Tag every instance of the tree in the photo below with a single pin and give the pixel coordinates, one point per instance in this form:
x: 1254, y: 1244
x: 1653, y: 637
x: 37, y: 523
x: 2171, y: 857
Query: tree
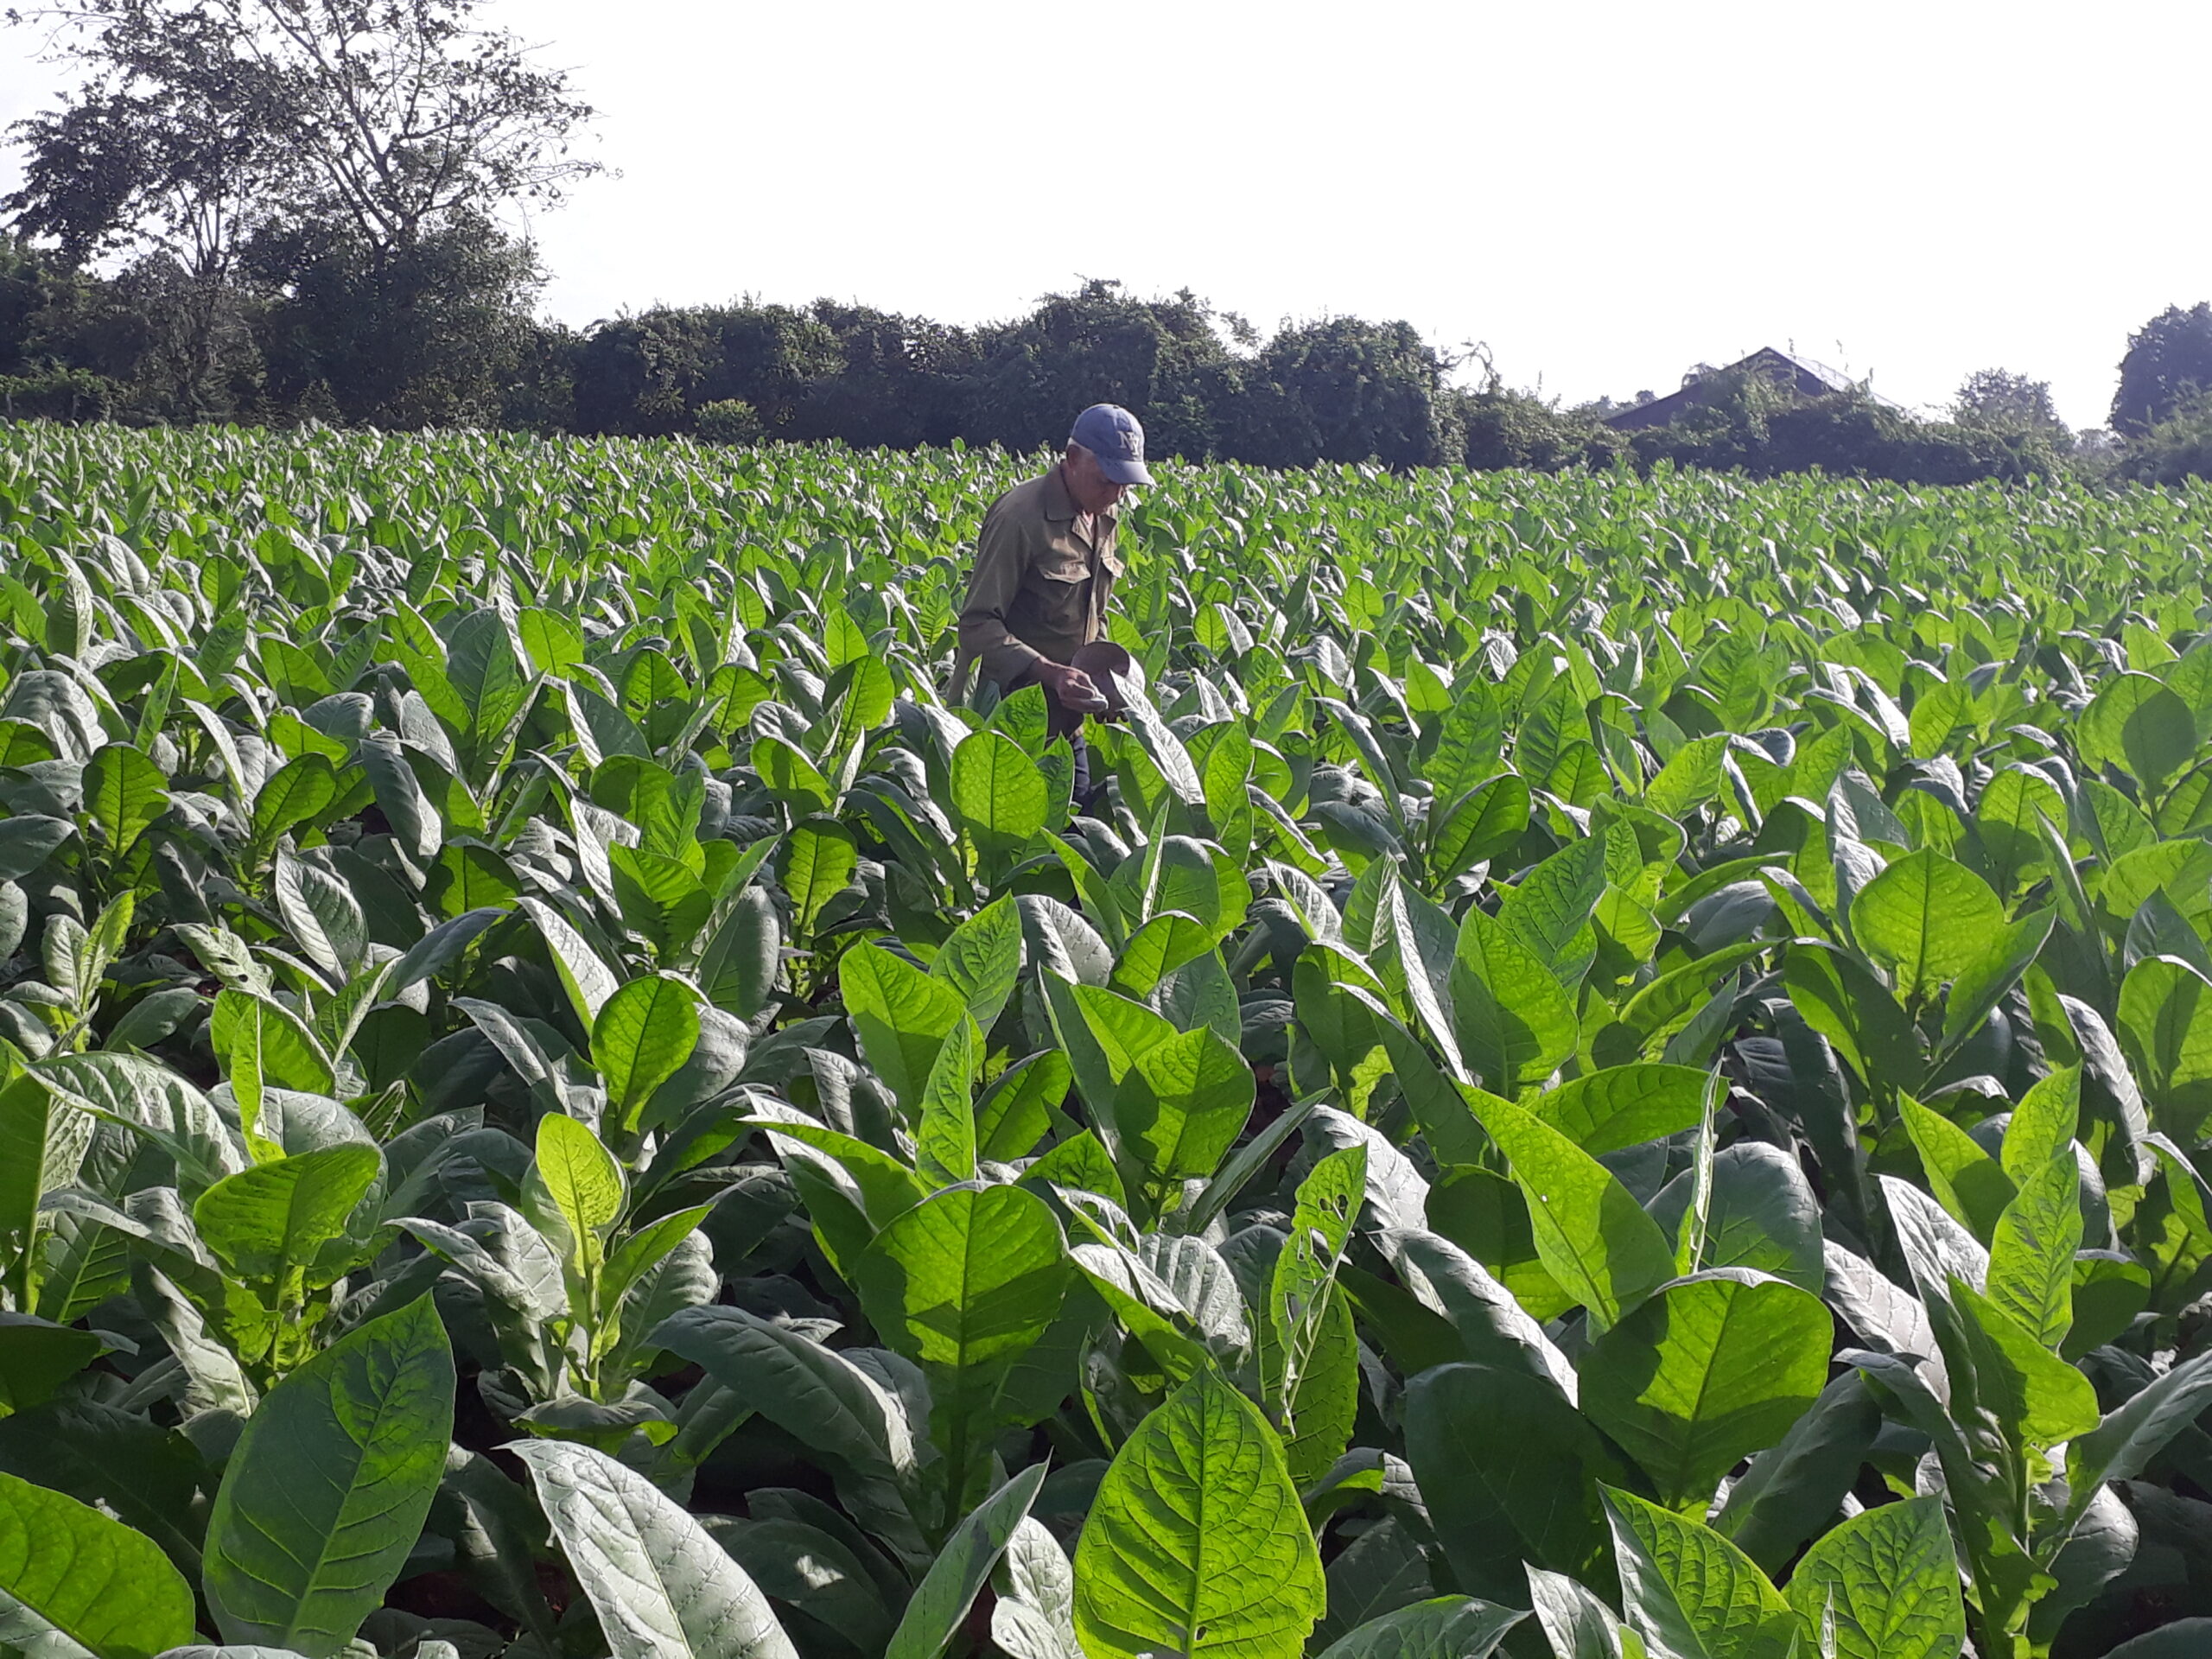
x: 431, y: 333
x: 1345, y: 390
x: 1997, y: 400
x: 2168, y: 365
x: 167, y: 153
x: 901, y: 381
x: 397, y: 116
x: 202, y: 132
x: 1167, y: 361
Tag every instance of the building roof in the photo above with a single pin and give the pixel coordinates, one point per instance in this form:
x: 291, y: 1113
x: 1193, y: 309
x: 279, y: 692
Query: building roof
x: 1804, y: 375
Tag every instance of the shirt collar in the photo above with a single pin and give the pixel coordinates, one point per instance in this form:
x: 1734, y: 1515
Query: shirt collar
x: 1059, y: 504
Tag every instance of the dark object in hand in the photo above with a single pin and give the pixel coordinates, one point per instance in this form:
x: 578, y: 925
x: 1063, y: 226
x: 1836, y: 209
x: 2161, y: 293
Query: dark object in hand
x: 1113, y: 671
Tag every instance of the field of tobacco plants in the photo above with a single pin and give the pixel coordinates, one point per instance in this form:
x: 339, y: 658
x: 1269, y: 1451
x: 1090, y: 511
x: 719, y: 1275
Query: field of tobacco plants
x: 1625, y: 1070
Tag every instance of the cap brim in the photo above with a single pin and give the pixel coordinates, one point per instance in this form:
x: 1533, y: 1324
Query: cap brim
x: 1124, y: 471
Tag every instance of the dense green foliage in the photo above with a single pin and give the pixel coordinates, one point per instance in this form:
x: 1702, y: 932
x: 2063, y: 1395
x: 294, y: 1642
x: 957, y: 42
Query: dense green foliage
x: 1618, y: 1071
x: 2167, y: 370
x: 442, y: 334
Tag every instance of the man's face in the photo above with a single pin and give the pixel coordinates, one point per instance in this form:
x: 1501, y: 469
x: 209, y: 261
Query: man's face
x: 1093, y: 490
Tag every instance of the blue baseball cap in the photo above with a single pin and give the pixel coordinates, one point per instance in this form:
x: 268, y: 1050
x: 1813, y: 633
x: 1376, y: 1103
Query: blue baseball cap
x: 1112, y: 434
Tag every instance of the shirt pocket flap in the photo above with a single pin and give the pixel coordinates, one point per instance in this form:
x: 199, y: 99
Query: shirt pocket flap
x: 1069, y: 564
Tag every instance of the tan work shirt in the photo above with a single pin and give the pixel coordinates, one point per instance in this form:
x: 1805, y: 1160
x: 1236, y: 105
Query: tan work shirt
x: 1041, y: 584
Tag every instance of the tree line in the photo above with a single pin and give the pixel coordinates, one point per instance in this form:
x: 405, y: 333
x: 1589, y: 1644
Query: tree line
x: 272, y: 211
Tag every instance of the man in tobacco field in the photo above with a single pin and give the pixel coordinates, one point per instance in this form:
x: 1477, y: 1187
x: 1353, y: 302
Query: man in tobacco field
x: 1045, y: 571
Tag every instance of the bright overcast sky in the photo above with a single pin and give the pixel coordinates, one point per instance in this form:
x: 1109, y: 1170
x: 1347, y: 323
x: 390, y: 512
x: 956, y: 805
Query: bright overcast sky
x: 1604, y: 193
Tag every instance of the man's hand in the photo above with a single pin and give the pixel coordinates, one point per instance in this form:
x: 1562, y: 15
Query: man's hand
x: 1071, y: 687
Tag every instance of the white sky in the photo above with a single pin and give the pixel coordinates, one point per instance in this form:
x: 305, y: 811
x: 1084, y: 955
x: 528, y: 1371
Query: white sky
x: 1605, y: 192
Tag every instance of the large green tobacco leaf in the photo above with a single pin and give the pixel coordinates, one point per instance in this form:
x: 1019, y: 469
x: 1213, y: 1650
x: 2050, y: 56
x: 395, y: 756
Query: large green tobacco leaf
x: 2043, y: 1123
x: 282, y: 1051
x: 1034, y: 1616
x: 1623, y: 1106
x: 2037, y: 1397
x: 819, y: 859
x: 1482, y: 824
x: 944, y: 1138
x: 1690, y: 1592
x: 1593, y: 1238
x: 1170, y: 940
x: 1761, y: 1213
x: 641, y: 1038
x: 1015, y: 1112
x: 1926, y: 919
x: 328, y: 1487
x: 271, y: 1221
x: 1710, y: 1370
x: 963, y: 1284
x: 2031, y: 1249
x: 1511, y: 1473
x: 821, y: 1576
x: 27, y: 840
x: 901, y: 1015
x: 1305, y: 1274
x: 1576, y: 1622
x: 323, y: 915
x: 1195, y: 1544
x: 1492, y: 1328
x: 1839, y: 997
x: 1486, y: 1214
x: 1514, y: 1020
x: 1887, y: 1581
x: 125, y: 792
x: 941, y: 1601
x: 141, y: 1473
x: 1327, y: 1404
x: 2007, y: 820
x: 1102, y: 1033
x: 40, y: 1143
x: 1548, y: 909
x: 1445, y: 1627
x: 997, y: 790
x: 67, y: 1571
x: 2135, y: 722
x: 1181, y: 1105
x: 983, y: 960
x: 2122, y: 1445
x: 2005, y: 954
x: 844, y: 1415
x: 1793, y: 1490
x: 1968, y: 1183
x: 2165, y: 1020
x: 662, y: 1586
x: 583, y: 1186
x: 738, y: 966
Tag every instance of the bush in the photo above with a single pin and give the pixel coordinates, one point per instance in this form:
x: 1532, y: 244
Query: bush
x: 58, y: 395
x: 1518, y: 428
x: 1764, y: 429
x: 1345, y: 390
x: 2176, y: 448
x: 728, y: 420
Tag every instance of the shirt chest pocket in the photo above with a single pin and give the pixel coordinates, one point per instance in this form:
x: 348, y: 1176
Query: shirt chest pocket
x: 1059, y: 588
